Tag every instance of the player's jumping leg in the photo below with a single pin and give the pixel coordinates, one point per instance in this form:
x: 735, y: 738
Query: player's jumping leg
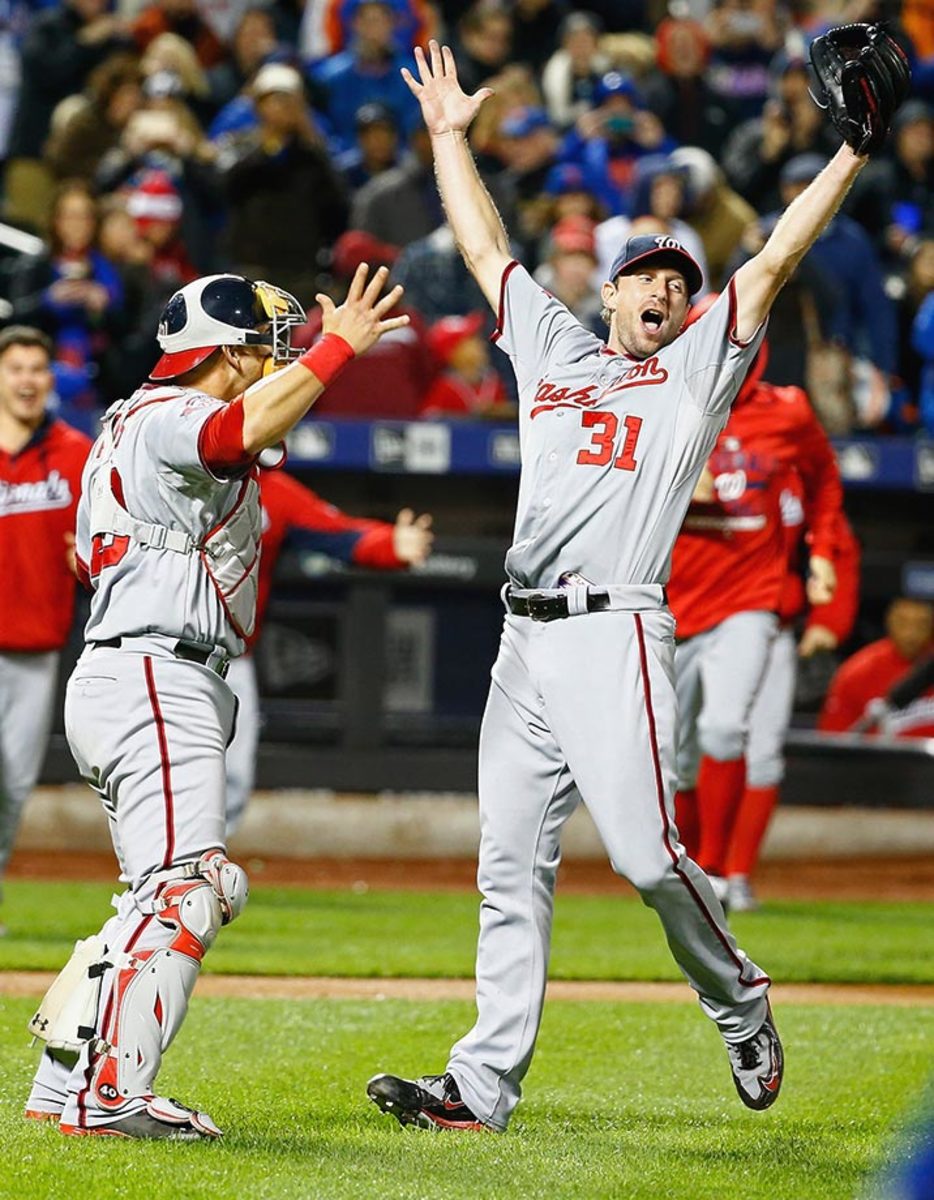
x: 526, y: 795
x: 616, y: 724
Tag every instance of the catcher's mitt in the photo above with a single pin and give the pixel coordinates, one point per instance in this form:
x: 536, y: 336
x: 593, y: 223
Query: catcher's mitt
x: 863, y: 77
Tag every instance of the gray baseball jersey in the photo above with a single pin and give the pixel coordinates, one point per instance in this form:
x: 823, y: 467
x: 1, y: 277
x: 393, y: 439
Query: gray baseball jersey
x: 611, y: 446
x: 154, y: 526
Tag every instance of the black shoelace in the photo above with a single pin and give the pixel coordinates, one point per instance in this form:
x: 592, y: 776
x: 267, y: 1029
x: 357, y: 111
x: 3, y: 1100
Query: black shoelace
x: 750, y: 1056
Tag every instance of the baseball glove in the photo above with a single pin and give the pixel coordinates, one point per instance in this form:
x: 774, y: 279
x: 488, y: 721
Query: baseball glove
x: 863, y: 77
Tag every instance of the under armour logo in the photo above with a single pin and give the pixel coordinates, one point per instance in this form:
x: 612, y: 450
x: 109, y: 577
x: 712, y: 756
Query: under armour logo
x: 40, y: 1023
x: 668, y: 243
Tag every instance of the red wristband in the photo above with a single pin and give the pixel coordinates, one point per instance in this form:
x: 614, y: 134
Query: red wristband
x: 326, y: 359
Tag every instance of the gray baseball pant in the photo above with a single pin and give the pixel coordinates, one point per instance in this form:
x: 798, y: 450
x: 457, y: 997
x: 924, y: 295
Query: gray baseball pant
x: 27, y: 700
x: 583, y: 709
x: 719, y: 674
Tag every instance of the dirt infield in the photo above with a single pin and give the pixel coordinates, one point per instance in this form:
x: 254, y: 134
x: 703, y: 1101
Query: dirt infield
x: 830, y: 879
x: 252, y: 987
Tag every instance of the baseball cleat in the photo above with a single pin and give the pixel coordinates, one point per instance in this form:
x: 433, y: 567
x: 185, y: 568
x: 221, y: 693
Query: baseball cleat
x: 740, y: 896
x: 38, y: 1114
x: 162, y: 1118
x: 429, y: 1102
x: 757, y: 1066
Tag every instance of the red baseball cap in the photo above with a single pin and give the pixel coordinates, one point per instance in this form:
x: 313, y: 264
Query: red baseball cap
x: 447, y: 334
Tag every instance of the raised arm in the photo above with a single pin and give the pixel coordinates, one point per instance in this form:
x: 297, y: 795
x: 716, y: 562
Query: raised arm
x: 273, y: 405
x: 447, y: 112
x: 759, y: 281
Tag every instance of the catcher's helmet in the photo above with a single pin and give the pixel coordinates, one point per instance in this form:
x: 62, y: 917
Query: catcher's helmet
x: 225, y: 310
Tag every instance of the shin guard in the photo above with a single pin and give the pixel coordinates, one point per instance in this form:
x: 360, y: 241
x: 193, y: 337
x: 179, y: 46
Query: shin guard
x: 149, y: 994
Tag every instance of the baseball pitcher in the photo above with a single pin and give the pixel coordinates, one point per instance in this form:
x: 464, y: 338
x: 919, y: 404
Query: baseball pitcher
x: 168, y: 539
x: 582, y: 701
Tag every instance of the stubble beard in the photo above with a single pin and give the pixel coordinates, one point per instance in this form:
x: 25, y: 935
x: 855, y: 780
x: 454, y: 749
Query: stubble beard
x: 632, y: 340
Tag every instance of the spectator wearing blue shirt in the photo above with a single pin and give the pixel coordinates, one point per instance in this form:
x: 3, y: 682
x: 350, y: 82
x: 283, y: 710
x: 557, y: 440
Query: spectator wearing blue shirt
x: 367, y: 72
x: 610, y: 139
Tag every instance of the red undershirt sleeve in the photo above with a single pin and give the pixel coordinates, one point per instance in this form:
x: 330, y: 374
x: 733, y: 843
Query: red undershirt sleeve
x: 220, y: 442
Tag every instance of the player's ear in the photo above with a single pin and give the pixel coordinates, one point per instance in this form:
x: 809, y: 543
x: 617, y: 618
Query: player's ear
x: 608, y: 294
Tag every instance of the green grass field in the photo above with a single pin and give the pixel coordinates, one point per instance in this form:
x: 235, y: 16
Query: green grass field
x: 629, y: 1101
x: 288, y: 931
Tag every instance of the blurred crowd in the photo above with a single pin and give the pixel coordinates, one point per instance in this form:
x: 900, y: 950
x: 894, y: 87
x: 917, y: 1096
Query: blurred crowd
x: 145, y: 145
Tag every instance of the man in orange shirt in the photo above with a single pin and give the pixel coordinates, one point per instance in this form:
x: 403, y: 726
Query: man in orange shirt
x: 858, y: 699
x: 41, y: 460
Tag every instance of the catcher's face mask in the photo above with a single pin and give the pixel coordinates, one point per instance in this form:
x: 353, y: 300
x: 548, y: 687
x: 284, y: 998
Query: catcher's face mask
x: 282, y: 313
x: 226, y: 310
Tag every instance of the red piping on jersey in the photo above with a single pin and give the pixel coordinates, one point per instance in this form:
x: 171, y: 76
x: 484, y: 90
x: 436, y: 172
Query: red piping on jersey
x: 146, y: 403
x: 501, y: 310
x: 82, y: 1110
x: 666, y: 823
x: 167, y: 796
x: 244, y: 487
x: 731, y: 329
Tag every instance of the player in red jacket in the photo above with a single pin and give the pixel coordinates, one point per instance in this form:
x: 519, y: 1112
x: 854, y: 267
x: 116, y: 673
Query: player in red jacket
x: 41, y: 460
x: 859, y: 699
x: 295, y: 516
x: 727, y: 577
x: 826, y: 627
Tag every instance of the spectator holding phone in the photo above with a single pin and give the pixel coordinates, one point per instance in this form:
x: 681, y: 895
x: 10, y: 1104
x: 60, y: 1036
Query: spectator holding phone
x: 73, y: 292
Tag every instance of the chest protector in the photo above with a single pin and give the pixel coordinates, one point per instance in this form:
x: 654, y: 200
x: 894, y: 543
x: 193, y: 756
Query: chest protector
x: 229, y: 552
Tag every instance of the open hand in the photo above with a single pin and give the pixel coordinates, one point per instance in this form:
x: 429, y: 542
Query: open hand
x: 361, y: 320
x: 445, y: 107
x: 412, y: 537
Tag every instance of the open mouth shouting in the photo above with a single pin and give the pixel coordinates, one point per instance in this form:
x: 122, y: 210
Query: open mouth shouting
x: 652, y: 320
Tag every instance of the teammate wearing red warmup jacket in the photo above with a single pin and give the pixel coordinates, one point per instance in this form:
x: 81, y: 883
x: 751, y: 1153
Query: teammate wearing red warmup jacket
x: 727, y: 577
x: 856, y: 699
x: 826, y: 627
x: 41, y: 460
x: 295, y: 516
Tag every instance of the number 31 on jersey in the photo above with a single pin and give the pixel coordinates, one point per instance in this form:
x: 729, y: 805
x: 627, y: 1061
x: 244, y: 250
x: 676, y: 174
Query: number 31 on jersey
x: 604, y: 428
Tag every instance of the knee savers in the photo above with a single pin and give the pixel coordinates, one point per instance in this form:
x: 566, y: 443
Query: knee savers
x: 197, y: 907
x: 228, y: 881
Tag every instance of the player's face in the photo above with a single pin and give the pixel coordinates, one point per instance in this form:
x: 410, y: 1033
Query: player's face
x: 910, y: 625
x: 25, y: 383
x: 647, y: 309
